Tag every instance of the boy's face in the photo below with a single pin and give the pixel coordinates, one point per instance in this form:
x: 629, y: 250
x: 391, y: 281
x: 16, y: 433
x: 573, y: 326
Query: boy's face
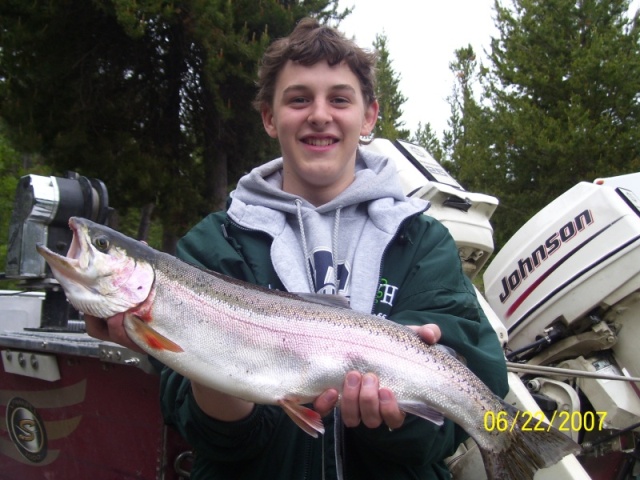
x: 318, y: 115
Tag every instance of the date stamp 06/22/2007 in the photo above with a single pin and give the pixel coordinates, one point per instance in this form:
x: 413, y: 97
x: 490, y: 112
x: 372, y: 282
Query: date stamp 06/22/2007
x: 538, y: 422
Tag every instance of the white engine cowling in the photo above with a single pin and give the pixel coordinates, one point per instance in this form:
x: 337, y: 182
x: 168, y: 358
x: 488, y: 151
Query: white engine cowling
x: 580, y: 253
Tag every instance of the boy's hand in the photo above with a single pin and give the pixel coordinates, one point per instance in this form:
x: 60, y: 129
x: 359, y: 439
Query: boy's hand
x: 362, y: 398
x: 110, y: 329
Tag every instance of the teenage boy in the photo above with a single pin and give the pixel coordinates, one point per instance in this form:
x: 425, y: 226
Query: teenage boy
x: 328, y: 218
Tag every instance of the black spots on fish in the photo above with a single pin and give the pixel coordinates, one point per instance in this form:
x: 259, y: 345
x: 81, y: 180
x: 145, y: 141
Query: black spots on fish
x: 176, y: 301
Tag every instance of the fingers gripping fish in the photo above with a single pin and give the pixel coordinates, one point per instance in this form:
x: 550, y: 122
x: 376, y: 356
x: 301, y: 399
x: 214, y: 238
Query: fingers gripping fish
x: 278, y: 348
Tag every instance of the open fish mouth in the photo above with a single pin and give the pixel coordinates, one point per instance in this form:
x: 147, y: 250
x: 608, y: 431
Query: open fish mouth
x: 75, y: 249
x: 72, y: 262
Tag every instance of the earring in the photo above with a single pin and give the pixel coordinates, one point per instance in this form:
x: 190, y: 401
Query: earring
x: 367, y: 139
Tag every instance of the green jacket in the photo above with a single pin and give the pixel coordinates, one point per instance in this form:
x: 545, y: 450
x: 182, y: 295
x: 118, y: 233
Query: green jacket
x: 421, y: 281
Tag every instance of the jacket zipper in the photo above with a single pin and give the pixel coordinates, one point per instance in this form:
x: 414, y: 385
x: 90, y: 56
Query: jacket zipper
x: 307, y: 458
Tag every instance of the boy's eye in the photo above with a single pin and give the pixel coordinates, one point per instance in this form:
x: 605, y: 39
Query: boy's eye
x: 341, y: 100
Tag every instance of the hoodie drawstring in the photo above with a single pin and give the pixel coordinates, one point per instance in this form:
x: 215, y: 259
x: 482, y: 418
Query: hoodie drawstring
x: 334, y: 247
x: 304, y: 245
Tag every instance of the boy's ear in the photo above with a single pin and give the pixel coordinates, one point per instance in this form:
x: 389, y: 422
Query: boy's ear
x: 268, y: 121
x: 370, y: 118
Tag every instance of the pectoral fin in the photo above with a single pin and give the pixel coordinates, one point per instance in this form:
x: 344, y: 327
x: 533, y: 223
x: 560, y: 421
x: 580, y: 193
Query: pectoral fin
x: 307, y: 419
x: 150, y: 337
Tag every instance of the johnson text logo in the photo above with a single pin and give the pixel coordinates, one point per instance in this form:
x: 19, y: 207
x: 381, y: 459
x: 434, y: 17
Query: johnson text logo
x: 543, y: 252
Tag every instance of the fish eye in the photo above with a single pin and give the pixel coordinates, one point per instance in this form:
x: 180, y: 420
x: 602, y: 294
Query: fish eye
x: 101, y: 243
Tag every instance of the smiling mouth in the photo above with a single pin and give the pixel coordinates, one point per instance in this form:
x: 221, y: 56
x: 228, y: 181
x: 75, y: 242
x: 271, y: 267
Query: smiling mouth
x: 320, y: 142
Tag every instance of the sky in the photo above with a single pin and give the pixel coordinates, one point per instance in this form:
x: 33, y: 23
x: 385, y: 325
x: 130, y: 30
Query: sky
x: 422, y: 36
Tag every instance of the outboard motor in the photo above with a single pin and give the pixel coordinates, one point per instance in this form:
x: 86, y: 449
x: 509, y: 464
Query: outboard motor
x: 41, y: 210
x: 567, y: 288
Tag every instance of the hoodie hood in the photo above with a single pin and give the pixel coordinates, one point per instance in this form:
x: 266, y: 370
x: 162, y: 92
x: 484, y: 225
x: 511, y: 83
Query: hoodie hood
x: 315, y: 248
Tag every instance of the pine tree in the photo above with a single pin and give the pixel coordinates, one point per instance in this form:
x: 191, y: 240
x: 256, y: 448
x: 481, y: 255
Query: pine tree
x: 152, y: 97
x: 426, y: 137
x: 561, y: 104
x: 461, y: 142
x: 389, y: 96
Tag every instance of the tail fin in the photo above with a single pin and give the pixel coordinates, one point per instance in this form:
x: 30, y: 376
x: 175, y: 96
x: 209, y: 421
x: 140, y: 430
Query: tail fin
x: 528, y: 451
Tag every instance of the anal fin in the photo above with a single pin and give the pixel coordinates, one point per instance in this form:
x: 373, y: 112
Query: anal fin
x: 423, y: 411
x: 308, y: 420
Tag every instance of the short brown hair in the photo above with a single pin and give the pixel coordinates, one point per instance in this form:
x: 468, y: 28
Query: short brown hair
x: 308, y: 44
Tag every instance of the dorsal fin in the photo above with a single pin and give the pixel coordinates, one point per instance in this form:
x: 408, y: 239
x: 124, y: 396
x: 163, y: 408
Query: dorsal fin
x: 326, y: 300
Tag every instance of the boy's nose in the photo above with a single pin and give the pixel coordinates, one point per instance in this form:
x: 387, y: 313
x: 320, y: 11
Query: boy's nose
x: 320, y: 114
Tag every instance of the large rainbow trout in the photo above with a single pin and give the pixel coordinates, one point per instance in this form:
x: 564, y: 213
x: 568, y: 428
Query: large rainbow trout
x: 273, y: 347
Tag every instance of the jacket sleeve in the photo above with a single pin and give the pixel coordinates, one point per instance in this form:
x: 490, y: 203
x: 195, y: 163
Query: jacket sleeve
x: 435, y: 290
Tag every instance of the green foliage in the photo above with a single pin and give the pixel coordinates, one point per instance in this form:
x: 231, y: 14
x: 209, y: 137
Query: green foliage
x: 9, y: 175
x: 559, y: 104
x: 566, y: 109
x: 465, y: 141
x: 427, y: 138
x: 152, y: 97
x: 389, y: 96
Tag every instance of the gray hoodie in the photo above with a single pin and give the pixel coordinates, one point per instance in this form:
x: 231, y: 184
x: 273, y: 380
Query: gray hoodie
x: 315, y: 249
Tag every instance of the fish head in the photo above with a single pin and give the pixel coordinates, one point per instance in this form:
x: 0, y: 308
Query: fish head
x: 104, y: 272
